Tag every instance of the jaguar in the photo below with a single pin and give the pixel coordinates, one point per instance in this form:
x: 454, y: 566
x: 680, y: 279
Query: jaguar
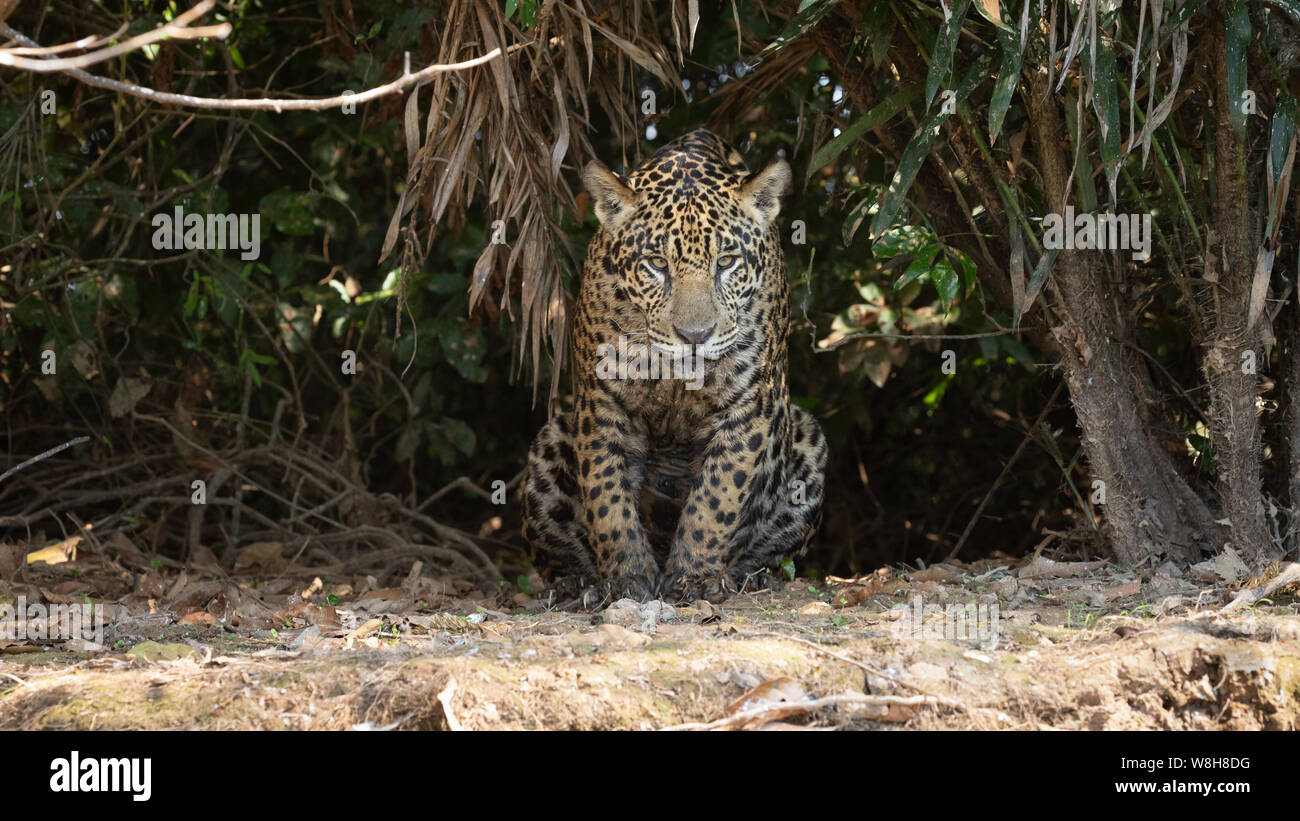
x: 687, y: 472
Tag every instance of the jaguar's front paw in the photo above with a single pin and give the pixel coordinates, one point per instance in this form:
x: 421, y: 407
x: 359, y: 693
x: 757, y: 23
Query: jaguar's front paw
x: 638, y: 587
x: 679, y: 587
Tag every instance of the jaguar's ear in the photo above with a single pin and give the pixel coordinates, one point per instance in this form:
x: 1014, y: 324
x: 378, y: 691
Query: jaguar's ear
x: 761, y: 193
x: 612, y: 200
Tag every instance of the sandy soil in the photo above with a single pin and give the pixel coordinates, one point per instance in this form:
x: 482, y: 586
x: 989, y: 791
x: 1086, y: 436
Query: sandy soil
x: 1010, y: 645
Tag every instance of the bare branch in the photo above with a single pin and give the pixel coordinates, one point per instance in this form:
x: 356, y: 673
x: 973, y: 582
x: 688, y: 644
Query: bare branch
x: 178, y: 29
x: 244, y: 104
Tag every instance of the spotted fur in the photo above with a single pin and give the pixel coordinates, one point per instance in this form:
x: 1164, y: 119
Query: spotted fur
x: 647, y: 486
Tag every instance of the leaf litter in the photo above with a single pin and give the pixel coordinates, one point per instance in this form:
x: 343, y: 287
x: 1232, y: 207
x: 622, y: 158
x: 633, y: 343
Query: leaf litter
x: 267, y: 639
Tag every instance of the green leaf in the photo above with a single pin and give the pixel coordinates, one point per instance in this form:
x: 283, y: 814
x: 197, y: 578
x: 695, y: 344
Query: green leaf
x: 876, y: 28
x: 965, y: 267
x: 407, y: 441
x: 459, y: 434
x: 809, y: 15
x: 946, y: 280
x: 903, y: 239
x: 919, y: 148
x: 524, y: 585
x: 1185, y: 12
x: 463, y: 347
x: 1008, y: 79
x: 854, y: 219
x: 788, y: 567
x: 288, y: 211
x: 528, y: 13
x: 919, y: 266
x: 1036, y: 281
x: 945, y: 44
x: 1279, y: 141
x: 1237, y: 32
x: 446, y: 283
x: 877, y: 116
x: 192, y: 299
x: 1105, y: 100
x: 285, y: 263
x: 1279, y: 148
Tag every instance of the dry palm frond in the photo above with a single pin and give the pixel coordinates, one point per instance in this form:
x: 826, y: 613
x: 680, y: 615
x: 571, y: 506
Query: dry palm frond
x: 506, y: 136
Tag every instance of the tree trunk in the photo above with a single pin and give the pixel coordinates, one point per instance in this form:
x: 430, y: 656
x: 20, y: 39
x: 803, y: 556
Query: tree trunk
x: 1151, y: 512
x: 1234, y: 348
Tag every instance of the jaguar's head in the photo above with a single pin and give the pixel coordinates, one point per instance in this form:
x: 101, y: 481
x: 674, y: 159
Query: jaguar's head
x: 687, y: 230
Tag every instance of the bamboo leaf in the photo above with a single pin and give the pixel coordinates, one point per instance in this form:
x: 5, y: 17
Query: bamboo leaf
x: 989, y: 9
x: 1281, y: 160
x: 1036, y: 282
x: 855, y: 217
x: 809, y: 15
x: 1008, y: 77
x: 919, y: 147
x: 1017, y: 272
x: 877, y: 116
x: 1105, y: 100
x: 945, y: 43
x: 1237, y: 32
x: 1279, y: 142
x: 1171, y: 95
x: 1181, y: 16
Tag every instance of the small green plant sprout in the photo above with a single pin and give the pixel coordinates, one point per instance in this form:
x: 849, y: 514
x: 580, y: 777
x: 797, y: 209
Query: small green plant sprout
x: 788, y: 567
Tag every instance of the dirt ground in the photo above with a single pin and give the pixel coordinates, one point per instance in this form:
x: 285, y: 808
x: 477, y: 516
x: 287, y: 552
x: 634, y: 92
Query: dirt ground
x: 269, y: 643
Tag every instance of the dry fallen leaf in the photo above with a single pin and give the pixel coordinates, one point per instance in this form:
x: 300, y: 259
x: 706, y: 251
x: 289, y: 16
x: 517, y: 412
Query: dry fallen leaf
x: 370, y: 626
x: 1130, y: 589
x: 938, y: 573
x: 856, y: 594
x: 64, y: 551
x: 1046, y: 568
x: 152, y: 651
x: 778, y: 698
x: 264, y: 555
x: 816, y: 608
x: 607, y: 634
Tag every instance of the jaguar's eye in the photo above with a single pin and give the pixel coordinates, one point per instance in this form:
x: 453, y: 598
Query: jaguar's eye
x: 727, y: 261
x: 657, y: 264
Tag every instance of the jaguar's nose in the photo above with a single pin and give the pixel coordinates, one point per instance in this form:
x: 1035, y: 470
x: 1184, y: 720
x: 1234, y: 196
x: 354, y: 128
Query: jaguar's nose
x: 695, y: 335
